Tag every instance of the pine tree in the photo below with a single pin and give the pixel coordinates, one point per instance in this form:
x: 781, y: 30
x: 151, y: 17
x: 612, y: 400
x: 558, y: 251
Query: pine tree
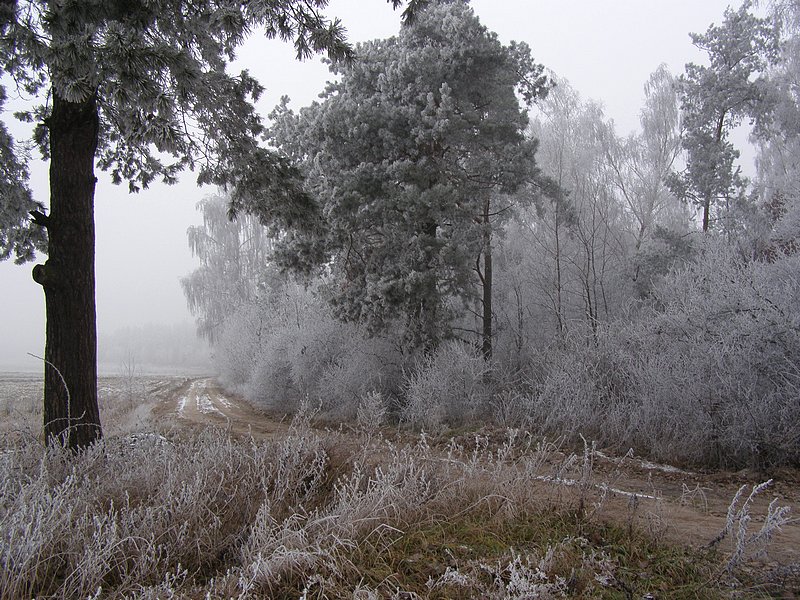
x: 715, y: 99
x: 412, y: 155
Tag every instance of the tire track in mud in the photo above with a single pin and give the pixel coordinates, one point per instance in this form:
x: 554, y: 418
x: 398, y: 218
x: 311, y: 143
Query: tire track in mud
x: 203, y: 402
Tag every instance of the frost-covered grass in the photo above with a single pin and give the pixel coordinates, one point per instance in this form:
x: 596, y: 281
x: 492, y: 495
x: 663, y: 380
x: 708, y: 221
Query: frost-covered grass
x: 125, y: 401
x: 204, y: 514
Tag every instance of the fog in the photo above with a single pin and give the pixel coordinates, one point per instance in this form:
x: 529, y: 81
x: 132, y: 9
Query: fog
x: 606, y: 50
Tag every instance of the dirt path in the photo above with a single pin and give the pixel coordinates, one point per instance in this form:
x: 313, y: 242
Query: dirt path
x: 201, y: 402
x: 681, y: 506
x: 692, y: 507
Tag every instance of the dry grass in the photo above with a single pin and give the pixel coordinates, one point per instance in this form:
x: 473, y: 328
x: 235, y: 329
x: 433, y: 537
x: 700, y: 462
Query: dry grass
x: 321, y: 515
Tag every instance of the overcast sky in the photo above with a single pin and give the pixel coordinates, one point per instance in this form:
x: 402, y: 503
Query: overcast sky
x: 605, y: 49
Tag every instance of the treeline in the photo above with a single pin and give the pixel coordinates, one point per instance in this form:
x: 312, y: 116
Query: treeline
x: 153, y: 347
x: 475, y: 242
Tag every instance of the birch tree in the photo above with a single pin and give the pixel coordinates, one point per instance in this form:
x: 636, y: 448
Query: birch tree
x: 641, y: 163
x: 777, y: 134
x: 234, y: 264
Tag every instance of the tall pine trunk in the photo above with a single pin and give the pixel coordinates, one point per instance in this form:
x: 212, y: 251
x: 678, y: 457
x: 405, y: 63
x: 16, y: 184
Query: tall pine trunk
x: 486, y: 342
x: 71, y: 414
x: 427, y: 313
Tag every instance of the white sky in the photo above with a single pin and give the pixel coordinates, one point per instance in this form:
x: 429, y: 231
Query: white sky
x: 605, y: 49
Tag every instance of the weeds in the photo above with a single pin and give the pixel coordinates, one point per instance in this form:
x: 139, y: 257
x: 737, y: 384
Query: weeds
x: 209, y: 515
x: 747, y: 544
x: 371, y: 412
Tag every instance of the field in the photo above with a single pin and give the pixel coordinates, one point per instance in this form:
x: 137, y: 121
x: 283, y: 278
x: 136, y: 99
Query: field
x: 125, y: 401
x: 194, y: 493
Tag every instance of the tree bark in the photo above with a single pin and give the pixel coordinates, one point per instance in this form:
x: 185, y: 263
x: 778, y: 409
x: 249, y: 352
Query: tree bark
x: 559, y: 303
x: 706, y: 213
x: 428, y: 334
x: 486, y: 346
x: 71, y: 414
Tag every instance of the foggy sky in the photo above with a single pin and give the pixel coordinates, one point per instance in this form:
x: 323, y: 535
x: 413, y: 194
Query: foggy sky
x: 606, y: 50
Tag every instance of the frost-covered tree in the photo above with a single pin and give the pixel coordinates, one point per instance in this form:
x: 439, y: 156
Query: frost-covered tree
x: 641, y: 163
x: 234, y: 264
x: 16, y: 237
x: 579, y: 236
x: 777, y: 134
x: 140, y: 89
x: 412, y: 154
x: 715, y: 99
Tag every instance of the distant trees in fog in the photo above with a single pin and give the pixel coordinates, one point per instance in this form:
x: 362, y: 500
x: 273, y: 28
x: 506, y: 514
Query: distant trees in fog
x: 154, y: 346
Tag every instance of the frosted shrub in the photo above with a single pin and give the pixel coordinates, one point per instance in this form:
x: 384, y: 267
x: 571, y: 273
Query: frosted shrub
x: 271, y: 383
x: 238, y: 346
x: 446, y: 387
x: 371, y: 413
x: 364, y: 365
x: 324, y: 360
x: 719, y: 364
x: 708, y: 374
x: 336, y: 364
x: 297, y: 349
x: 585, y: 388
x: 510, y: 408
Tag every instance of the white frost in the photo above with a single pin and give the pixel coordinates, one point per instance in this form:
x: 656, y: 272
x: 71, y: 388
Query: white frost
x: 665, y: 468
x: 650, y: 466
x: 601, y: 486
x: 204, y: 405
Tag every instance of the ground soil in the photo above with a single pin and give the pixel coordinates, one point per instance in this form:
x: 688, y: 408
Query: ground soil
x: 680, y: 506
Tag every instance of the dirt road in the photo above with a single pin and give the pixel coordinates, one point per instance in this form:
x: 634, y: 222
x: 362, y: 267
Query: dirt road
x: 201, y: 402
x: 682, y: 506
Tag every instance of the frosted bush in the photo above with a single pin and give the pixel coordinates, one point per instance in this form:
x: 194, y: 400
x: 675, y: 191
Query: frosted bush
x: 291, y: 347
x: 511, y: 409
x: 447, y: 387
x: 364, y: 365
x: 708, y: 374
x: 238, y: 346
x: 371, y: 413
x: 585, y: 388
x: 271, y: 383
x: 720, y: 361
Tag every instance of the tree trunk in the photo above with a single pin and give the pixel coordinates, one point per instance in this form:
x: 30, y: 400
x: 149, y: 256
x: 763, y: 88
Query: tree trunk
x: 708, y: 195
x: 487, y: 283
x: 425, y: 329
x: 559, y: 301
x: 71, y: 414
